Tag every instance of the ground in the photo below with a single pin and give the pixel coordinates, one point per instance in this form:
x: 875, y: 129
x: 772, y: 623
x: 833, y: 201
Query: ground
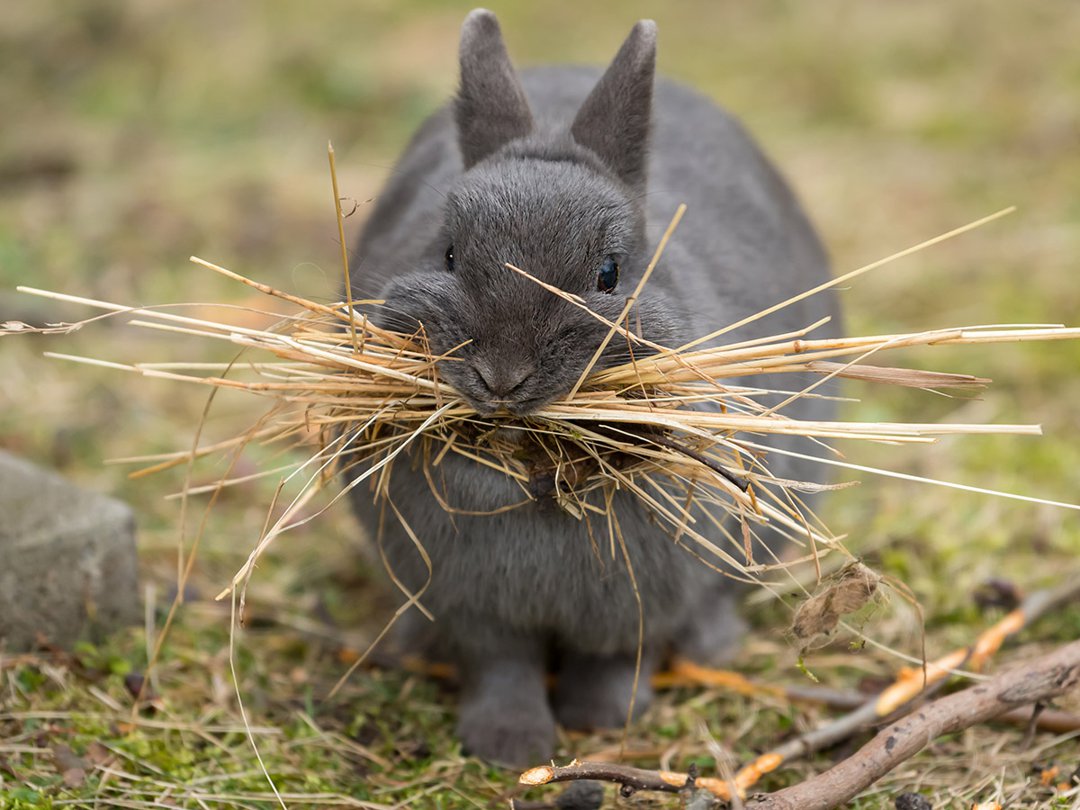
x: 138, y: 133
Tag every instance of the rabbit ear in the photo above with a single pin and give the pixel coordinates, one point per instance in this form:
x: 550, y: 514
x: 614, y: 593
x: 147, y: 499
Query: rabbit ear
x: 614, y: 120
x: 491, y: 108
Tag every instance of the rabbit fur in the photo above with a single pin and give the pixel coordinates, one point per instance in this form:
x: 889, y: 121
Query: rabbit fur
x: 564, y: 171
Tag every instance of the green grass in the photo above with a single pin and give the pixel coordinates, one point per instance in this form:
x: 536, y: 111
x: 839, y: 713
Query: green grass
x: 138, y: 134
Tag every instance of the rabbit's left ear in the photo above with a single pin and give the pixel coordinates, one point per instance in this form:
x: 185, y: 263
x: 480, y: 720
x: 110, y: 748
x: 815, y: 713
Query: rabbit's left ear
x: 491, y: 108
x: 614, y: 120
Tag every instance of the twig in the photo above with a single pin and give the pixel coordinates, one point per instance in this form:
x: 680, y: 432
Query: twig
x: 632, y: 779
x: 911, y: 684
x: 912, y: 681
x: 900, y: 697
x: 1043, y: 679
x: 686, y: 673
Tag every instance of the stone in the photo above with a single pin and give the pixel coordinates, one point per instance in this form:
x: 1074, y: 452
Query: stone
x: 68, y: 567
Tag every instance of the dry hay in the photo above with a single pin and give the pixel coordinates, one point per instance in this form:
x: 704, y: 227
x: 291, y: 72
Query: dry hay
x: 679, y: 427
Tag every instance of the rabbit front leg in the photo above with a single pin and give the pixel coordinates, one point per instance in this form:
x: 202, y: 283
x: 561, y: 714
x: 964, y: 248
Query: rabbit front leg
x: 713, y: 633
x: 504, y: 716
x: 595, y: 691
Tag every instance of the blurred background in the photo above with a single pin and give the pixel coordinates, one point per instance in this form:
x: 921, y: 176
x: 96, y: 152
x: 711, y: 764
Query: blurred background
x: 136, y: 133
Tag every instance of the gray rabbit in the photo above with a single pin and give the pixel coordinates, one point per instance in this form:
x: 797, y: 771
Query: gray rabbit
x: 572, y: 175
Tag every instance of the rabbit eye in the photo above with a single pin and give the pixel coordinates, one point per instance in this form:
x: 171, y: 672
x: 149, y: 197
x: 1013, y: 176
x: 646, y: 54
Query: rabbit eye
x: 450, y: 258
x: 608, y: 276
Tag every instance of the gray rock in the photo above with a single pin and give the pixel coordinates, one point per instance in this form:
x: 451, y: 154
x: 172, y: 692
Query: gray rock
x: 67, y: 559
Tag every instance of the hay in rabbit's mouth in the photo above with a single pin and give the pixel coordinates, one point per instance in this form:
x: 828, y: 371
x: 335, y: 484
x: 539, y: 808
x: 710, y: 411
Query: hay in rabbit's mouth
x: 680, y: 429
x: 360, y: 397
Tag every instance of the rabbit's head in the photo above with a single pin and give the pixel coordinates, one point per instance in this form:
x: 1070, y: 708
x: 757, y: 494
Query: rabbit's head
x: 563, y: 203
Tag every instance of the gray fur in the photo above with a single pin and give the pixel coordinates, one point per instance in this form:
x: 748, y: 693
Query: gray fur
x: 614, y: 120
x: 518, y: 592
x: 491, y: 108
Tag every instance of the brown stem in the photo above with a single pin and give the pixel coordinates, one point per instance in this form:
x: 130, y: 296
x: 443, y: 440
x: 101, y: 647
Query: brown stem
x: 632, y: 779
x: 910, y: 688
x: 1043, y: 679
x: 912, y: 685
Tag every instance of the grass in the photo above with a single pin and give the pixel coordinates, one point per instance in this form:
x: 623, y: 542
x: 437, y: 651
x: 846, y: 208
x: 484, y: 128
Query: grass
x: 144, y: 134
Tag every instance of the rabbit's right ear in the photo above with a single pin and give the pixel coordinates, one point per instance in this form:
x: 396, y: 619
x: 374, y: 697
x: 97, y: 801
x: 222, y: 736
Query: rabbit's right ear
x: 615, y: 119
x: 491, y: 108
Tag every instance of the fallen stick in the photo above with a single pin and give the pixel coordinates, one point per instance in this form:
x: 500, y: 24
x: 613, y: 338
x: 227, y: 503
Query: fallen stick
x: 631, y: 779
x: 900, y: 697
x: 1057, y: 722
x: 1040, y: 680
x: 910, y: 684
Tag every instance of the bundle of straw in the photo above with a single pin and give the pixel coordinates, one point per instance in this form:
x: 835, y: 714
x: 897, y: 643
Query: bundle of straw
x: 361, y: 396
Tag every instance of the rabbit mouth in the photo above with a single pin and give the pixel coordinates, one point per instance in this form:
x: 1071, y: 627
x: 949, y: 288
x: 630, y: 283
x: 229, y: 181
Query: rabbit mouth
x: 515, y: 407
x: 491, y: 388
x: 526, y: 407
x: 485, y: 403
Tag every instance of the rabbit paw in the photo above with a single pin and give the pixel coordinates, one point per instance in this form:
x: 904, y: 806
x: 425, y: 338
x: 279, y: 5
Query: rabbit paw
x: 507, y: 732
x: 595, y: 692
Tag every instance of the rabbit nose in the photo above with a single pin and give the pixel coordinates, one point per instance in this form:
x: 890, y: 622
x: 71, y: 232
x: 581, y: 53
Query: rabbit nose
x: 502, y: 380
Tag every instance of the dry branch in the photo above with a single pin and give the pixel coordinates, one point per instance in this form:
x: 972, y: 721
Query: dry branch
x: 686, y: 673
x: 1045, y: 678
x: 900, y: 697
x: 1038, y: 681
x: 632, y: 779
x: 912, y: 683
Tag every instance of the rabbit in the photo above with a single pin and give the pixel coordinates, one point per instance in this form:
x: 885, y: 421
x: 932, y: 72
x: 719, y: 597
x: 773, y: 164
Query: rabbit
x: 571, y: 174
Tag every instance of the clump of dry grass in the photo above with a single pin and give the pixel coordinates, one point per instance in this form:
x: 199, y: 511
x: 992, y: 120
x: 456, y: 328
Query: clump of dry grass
x: 682, y: 428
